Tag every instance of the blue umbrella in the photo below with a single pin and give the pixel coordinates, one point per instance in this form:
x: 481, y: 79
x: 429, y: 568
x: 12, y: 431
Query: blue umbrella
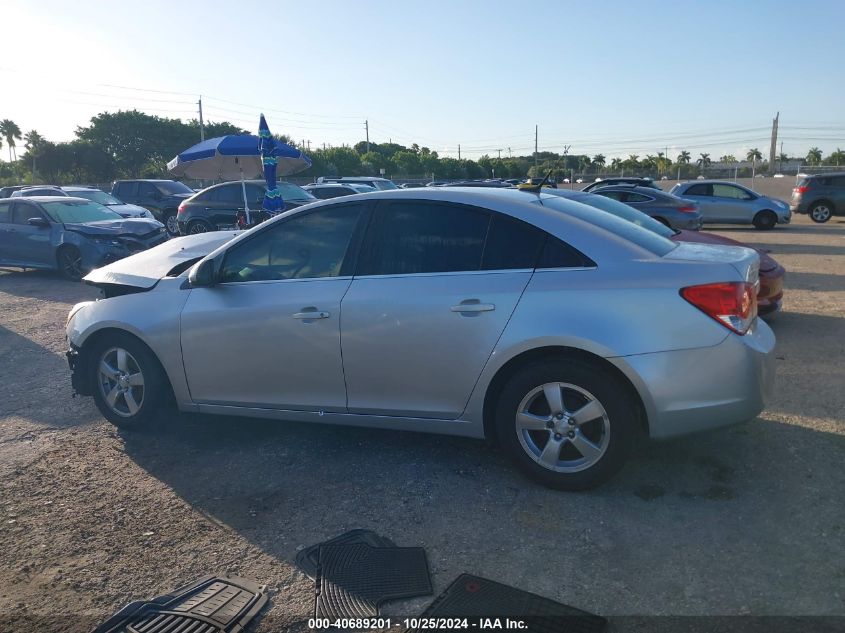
x: 268, y: 146
x: 234, y: 157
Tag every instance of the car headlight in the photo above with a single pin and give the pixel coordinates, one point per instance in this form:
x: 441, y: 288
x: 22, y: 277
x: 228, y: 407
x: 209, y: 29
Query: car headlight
x: 108, y: 241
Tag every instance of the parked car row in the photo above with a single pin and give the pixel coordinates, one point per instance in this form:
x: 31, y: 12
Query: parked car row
x: 505, y: 305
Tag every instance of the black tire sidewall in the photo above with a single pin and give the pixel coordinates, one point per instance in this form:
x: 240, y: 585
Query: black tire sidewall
x: 763, y: 224
x: 155, y: 384
x: 60, y: 254
x: 610, y: 392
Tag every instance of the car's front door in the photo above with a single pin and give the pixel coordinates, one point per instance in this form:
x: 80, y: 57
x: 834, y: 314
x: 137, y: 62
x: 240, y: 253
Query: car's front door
x: 734, y: 203
x: 30, y: 244
x: 435, y: 286
x: 268, y: 333
x: 150, y: 197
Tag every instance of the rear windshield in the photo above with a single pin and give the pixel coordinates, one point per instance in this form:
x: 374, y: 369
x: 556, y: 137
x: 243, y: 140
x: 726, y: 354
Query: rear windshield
x: 170, y: 187
x: 622, y: 210
x: 384, y: 185
x: 630, y: 231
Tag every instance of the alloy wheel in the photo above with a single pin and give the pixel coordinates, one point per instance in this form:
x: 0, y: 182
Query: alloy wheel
x: 197, y: 227
x: 121, y: 382
x: 70, y: 261
x: 171, y: 224
x: 562, y: 427
x: 820, y: 213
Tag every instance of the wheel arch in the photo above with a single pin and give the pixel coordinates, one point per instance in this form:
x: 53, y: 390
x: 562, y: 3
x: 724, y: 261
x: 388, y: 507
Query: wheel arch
x: 86, y: 359
x: 513, y: 365
x: 826, y: 201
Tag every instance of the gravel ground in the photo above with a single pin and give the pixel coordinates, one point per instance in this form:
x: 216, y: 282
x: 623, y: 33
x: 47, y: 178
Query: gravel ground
x: 747, y: 520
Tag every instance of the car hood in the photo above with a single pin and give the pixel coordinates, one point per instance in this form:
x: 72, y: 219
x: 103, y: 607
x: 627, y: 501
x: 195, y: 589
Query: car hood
x: 128, y: 210
x: 143, y: 270
x: 701, y: 237
x: 127, y: 226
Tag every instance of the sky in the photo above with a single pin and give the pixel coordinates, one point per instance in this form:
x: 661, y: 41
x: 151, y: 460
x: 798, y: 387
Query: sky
x: 616, y: 77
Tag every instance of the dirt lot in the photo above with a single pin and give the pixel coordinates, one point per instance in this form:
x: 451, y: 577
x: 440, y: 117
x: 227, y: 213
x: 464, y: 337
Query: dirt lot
x: 748, y: 520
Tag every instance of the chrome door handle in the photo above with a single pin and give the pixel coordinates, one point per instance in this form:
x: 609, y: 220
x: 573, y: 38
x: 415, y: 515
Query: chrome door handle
x: 311, y: 314
x: 473, y: 307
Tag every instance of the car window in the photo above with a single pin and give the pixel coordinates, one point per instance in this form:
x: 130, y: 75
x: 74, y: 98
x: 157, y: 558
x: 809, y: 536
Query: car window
x: 22, y: 211
x: 511, y: 244
x: 168, y: 187
x: 558, y: 254
x: 146, y: 190
x: 308, y: 245
x: 424, y: 237
x: 635, y: 197
x: 729, y: 191
x: 838, y: 181
x: 125, y: 189
x: 231, y: 194
x: 255, y: 195
x: 621, y: 196
x: 699, y: 189
x: 207, y: 195
x: 5, y: 208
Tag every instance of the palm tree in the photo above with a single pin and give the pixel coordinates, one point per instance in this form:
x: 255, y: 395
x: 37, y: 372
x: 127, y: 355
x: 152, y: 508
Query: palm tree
x: 730, y: 159
x: 10, y: 131
x: 598, y: 161
x: 684, y: 157
x: 754, y: 155
x: 836, y: 157
x: 704, y: 162
x: 814, y: 156
x: 783, y: 157
x: 34, y: 141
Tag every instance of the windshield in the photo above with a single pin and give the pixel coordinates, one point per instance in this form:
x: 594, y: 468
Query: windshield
x: 626, y: 212
x: 171, y: 187
x: 384, y: 185
x: 73, y: 212
x: 95, y: 195
x: 631, y: 231
x: 293, y: 192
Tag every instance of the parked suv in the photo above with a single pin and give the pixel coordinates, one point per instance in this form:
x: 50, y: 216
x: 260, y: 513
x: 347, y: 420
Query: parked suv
x: 217, y: 207
x: 821, y: 196
x: 161, y: 197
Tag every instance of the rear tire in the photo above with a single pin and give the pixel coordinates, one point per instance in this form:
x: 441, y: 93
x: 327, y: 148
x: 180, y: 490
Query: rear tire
x: 765, y: 220
x: 579, y: 446
x: 69, y: 262
x: 128, y: 384
x: 821, y: 212
x: 198, y: 226
x: 170, y: 223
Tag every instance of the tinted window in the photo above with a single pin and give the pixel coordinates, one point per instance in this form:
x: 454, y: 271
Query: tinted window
x: 208, y: 195
x: 698, y: 190
x: 511, y: 244
x: 838, y: 181
x: 230, y: 194
x: 424, y: 237
x: 307, y: 245
x: 558, y: 254
x: 146, y: 190
x: 729, y: 191
x: 169, y: 187
x: 613, y: 195
x: 635, y: 197
x: 255, y: 195
x: 323, y: 193
x: 4, y: 211
x: 125, y: 189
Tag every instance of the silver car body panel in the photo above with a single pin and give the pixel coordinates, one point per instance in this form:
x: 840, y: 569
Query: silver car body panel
x: 399, y: 351
x: 726, y: 210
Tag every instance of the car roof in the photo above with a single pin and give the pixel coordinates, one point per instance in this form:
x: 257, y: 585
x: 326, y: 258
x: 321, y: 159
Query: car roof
x: 825, y: 175
x: 329, y: 184
x: 78, y: 188
x: 711, y: 181
x: 41, y: 199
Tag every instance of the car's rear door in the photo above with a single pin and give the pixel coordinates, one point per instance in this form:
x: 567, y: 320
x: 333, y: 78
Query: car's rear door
x: 268, y: 334
x: 702, y: 193
x: 6, y: 233
x: 435, y: 286
x: 837, y: 193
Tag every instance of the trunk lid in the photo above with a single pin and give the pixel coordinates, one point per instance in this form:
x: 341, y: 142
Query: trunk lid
x: 745, y: 260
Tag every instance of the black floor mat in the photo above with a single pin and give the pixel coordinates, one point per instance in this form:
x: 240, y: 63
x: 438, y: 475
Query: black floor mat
x: 212, y: 605
x: 308, y: 559
x: 471, y: 597
x: 355, y: 579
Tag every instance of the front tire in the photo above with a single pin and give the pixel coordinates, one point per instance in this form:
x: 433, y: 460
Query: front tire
x: 568, y: 424
x: 170, y: 223
x: 765, y: 220
x: 69, y: 262
x: 821, y: 212
x: 129, y: 385
x: 198, y: 226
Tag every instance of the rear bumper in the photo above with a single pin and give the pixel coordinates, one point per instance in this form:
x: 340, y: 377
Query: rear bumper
x: 706, y: 388
x: 771, y: 291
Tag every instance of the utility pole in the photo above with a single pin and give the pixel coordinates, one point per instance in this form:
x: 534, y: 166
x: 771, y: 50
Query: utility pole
x: 202, y: 129
x: 500, y: 153
x: 780, y: 162
x: 459, y: 151
x: 367, y: 127
x: 536, y: 127
x: 309, y: 144
x: 509, y: 152
x: 774, y: 145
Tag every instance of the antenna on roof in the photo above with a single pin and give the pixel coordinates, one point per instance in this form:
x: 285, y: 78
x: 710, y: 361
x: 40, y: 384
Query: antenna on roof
x: 529, y: 187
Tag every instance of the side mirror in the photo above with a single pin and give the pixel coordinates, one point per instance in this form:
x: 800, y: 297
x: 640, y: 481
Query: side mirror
x: 40, y: 222
x: 203, y: 274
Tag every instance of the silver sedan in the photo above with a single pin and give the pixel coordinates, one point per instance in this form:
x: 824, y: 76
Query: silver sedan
x: 528, y: 318
x: 722, y: 202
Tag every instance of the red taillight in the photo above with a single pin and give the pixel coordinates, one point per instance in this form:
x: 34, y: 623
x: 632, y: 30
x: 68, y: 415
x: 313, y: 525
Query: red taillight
x: 733, y: 304
x: 180, y: 209
x: 689, y: 209
x: 800, y: 189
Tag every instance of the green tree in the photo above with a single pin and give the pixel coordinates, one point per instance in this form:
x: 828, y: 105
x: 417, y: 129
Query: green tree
x: 34, y: 141
x: 684, y: 157
x: 704, y: 162
x: 814, y: 156
x: 10, y: 131
x: 836, y: 158
x: 599, y: 160
x: 730, y: 159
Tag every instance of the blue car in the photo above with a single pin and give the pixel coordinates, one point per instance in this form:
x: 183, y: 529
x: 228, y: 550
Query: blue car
x: 71, y: 235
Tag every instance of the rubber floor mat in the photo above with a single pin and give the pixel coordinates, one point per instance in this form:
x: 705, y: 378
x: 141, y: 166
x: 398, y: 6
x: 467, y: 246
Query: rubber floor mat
x: 211, y: 605
x: 473, y: 597
x: 355, y: 579
x: 308, y: 559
